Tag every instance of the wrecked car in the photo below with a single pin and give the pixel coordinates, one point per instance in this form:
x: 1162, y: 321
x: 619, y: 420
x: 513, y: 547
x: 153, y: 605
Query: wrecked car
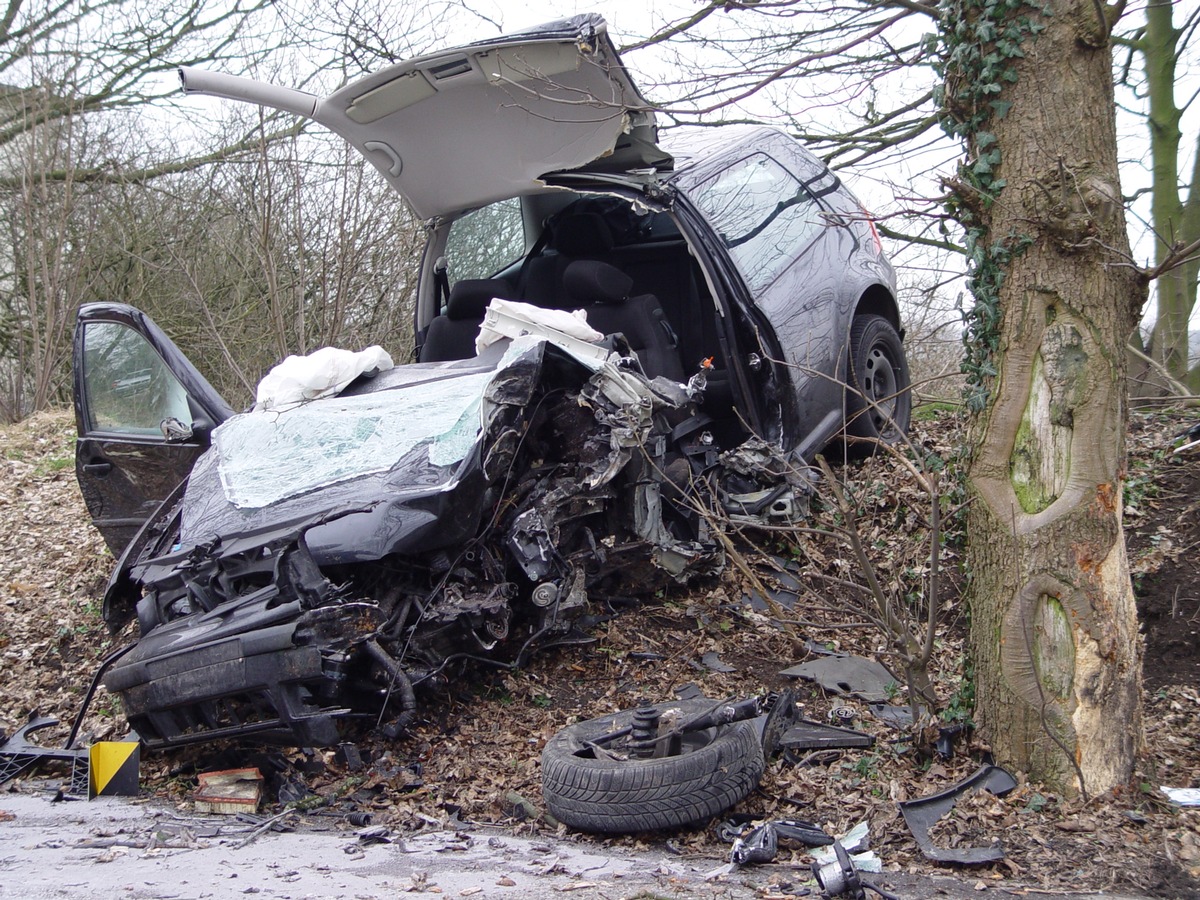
x: 300, y: 566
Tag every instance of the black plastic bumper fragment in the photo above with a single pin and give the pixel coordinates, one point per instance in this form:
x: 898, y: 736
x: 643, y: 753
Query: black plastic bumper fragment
x: 924, y: 812
x: 243, y: 684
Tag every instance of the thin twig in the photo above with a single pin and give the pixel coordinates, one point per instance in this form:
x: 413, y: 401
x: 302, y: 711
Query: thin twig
x: 265, y: 826
x: 1176, y: 387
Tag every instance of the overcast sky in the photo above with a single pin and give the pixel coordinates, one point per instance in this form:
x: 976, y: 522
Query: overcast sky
x: 884, y: 188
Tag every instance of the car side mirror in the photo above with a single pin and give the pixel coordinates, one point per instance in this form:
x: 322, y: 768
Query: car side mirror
x: 175, y: 431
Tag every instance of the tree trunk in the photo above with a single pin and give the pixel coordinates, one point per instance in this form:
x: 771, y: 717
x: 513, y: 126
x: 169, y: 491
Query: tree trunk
x: 1053, y: 623
x: 1174, y: 224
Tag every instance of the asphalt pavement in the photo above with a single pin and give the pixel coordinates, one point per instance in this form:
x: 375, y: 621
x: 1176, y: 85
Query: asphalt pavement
x: 147, y: 850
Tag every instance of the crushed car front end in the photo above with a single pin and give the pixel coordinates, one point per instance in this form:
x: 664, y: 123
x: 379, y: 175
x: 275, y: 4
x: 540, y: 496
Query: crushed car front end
x: 340, y: 601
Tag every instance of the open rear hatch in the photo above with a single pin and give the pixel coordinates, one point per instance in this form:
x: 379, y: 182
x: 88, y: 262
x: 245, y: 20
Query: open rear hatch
x: 464, y: 127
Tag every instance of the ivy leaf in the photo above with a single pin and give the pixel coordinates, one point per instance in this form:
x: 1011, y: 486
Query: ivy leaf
x: 1000, y: 108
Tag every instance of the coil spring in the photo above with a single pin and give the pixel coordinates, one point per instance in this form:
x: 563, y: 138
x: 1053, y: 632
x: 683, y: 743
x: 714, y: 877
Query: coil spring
x: 643, y: 731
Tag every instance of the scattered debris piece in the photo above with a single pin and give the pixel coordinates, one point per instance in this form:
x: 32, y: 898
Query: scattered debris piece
x: 782, y: 714
x: 350, y: 755
x: 778, y: 579
x: 947, y: 735
x: 840, y: 878
x: 784, y: 572
x: 1182, y: 796
x: 809, y: 735
x: 843, y: 716
x: 712, y: 660
x: 689, y: 691
x: 229, y: 792
x: 856, y: 840
x: 292, y: 789
x: 848, y: 675
x: 821, y: 649
x: 760, y: 844
x: 923, y: 813
x: 899, y: 717
x: 375, y: 834
x: 18, y: 754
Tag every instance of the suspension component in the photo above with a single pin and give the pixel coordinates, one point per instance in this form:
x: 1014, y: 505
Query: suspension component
x: 643, y: 732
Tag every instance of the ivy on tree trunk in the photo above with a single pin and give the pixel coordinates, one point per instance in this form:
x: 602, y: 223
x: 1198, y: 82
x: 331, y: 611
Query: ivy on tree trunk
x: 1053, y: 622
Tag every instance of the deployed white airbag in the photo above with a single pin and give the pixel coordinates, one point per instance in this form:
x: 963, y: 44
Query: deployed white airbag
x: 511, y: 319
x: 322, y: 373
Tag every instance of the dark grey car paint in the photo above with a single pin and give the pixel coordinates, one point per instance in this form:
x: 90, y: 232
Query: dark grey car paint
x: 125, y: 477
x: 298, y: 560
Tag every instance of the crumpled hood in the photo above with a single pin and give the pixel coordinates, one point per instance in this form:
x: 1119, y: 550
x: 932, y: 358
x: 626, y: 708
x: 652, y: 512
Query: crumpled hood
x: 389, y: 442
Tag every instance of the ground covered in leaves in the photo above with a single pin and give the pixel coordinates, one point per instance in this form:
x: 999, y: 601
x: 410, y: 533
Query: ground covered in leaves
x: 474, y: 754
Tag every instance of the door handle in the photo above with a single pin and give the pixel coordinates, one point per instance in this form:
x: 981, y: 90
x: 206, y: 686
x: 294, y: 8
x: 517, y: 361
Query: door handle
x: 97, y: 468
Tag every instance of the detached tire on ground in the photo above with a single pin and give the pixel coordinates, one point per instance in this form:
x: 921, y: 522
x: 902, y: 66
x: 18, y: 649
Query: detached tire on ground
x: 879, y: 405
x: 715, y: 769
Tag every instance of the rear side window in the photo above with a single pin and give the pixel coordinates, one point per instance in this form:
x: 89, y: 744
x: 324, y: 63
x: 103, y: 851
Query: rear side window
x: 483, y: 242
x: 128, y: 389
x: 762, y: 213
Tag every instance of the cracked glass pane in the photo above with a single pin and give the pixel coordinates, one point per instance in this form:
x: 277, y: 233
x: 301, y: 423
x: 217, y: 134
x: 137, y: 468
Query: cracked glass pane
x: 264, y: 457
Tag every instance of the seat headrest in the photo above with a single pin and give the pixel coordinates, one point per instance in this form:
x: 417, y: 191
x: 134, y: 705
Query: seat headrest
x: 590, y: 281
x: 585, y: 235
x: 469, y: 298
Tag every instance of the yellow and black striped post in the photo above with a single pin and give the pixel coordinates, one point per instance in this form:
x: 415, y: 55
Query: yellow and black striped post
x: 113, y: 767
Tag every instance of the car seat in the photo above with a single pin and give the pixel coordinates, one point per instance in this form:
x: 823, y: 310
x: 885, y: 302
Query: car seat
x: 603, y: 291
x: 572, y: 237
x: 452, y: 335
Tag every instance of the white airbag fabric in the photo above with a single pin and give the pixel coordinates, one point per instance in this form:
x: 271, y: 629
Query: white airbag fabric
x: 322, y: 373
x: 535, y: 318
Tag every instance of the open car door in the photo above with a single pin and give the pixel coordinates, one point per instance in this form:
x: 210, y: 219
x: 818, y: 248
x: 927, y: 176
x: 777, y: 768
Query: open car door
x: 143, y: 414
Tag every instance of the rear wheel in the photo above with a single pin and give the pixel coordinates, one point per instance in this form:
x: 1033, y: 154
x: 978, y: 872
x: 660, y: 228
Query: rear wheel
x: 879, y: 402
x: 589, y: 789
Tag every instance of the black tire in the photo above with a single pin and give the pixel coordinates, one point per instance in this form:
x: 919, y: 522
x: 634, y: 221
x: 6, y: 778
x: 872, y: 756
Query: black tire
x: 715, y: 769
x: 879, y: 403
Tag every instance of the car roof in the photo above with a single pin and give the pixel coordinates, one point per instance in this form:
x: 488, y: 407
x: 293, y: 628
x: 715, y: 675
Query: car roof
x: 697, y: 149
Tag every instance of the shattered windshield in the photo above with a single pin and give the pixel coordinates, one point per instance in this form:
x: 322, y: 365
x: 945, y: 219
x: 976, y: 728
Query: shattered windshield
x: 264, y: 457
x: 267, y: 456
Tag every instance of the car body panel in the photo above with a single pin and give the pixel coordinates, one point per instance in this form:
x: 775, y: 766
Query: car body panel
x: 127, y: 375
x: 319, y: 564
x: 808, y: 306
x: 556, y: 98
